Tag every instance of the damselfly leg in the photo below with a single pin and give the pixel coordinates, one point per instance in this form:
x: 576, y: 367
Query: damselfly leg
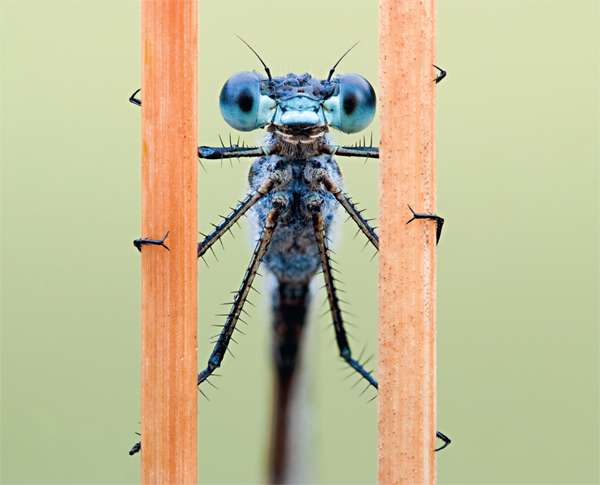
x: 314, y: 203
x: 278, y: 203
x: 322, y: 176
x: 227, y: 223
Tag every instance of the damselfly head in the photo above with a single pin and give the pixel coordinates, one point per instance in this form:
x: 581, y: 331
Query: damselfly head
x: 297, y: 103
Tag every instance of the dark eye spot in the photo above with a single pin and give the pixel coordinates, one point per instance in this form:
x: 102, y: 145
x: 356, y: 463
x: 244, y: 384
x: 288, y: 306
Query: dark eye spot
x: 245, y: 100
x: 350, y: 103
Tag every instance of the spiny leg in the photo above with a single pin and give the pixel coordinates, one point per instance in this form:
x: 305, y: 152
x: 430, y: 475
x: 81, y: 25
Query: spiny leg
x: 361, y: 152
x: 313, y: 203
x: 279, y: 202
x: 238, y: 212
x: 322, y: 176
x: 439, y: 222
x: 218, y: 153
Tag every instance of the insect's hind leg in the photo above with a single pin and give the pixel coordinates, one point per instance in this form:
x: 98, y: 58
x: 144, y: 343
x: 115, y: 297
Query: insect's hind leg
x: 279, y: 203
x: 313, y: 203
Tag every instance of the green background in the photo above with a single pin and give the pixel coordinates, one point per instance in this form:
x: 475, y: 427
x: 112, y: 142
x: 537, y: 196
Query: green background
x: 518, y: 129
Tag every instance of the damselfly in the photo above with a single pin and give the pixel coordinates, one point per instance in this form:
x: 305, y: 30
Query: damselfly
x: 295, y: 188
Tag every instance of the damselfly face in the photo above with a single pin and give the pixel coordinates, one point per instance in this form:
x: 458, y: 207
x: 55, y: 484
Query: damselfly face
x: 297, y: 107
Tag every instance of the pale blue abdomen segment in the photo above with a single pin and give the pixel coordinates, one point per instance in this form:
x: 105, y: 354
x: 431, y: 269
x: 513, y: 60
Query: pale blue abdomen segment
x: 292, y: 255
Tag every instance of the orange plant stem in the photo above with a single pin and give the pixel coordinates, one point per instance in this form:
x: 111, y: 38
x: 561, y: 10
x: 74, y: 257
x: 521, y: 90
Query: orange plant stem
x: 407, y: 256
x: 169, y: 278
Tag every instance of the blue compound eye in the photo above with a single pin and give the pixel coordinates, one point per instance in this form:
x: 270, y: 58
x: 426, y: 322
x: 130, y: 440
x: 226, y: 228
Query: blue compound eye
x: 242, y: 105
x: 353, y: 107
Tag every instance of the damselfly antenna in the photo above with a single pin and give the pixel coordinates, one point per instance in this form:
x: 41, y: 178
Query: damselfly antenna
x: 261, y: 61
x: 336, y: 64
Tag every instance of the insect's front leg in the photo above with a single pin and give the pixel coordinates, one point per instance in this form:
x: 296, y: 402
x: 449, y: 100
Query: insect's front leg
x: 226, y: 224
x: 357, y: 151
x: 278, y: 205
x: 219, y: 153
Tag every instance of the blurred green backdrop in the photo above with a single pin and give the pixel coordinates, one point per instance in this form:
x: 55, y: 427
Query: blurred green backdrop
x: 518, y: 130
